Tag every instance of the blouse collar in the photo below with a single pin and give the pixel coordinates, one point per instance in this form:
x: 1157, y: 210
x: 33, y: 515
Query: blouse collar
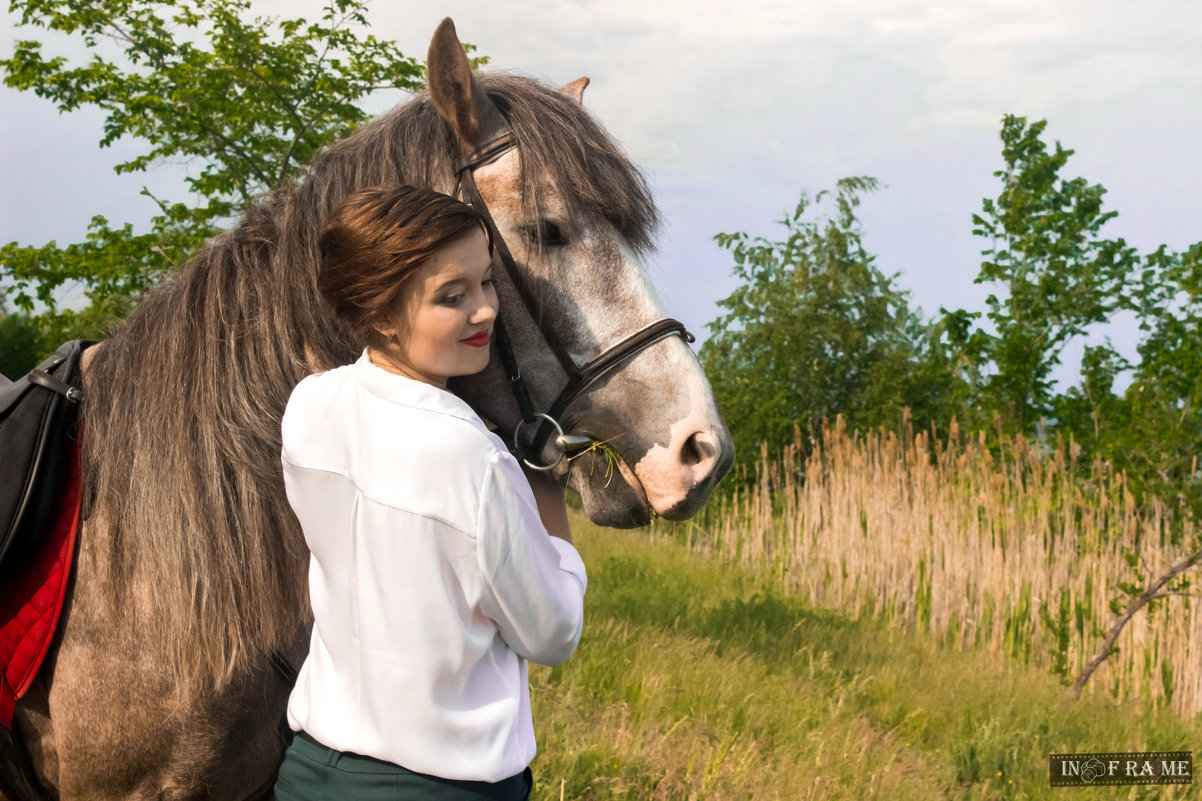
x: 409, y: 392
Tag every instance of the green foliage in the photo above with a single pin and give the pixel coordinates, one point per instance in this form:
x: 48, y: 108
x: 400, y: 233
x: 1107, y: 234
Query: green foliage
x: 816, y: 330
x: 1059, y: 276
x: 1152, y: 429
x: 1158, y: 445
x: 22, y: 344
x: 245, y: 102
x: 1059, y: 624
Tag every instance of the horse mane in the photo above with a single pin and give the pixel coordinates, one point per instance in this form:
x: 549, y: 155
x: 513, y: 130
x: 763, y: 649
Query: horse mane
x: 182, y: 417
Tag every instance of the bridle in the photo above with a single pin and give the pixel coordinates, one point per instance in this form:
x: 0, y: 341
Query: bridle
x: 580, y: 377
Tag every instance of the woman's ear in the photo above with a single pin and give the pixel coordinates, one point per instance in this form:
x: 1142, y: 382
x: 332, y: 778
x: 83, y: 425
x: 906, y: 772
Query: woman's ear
x: 388, y: 328
x: 384, y: 332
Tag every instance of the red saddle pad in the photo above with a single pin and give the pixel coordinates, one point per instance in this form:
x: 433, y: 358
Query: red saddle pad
x: 32, y: 589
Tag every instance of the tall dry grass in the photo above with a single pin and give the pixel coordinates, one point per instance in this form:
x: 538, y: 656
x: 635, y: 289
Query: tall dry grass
x: 1015, y: 553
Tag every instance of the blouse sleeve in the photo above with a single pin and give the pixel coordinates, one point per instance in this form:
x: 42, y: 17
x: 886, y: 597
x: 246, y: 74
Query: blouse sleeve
x: 533, y: 583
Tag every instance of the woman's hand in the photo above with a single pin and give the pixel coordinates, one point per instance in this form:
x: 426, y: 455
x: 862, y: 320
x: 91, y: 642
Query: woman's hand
x: 552, y: 506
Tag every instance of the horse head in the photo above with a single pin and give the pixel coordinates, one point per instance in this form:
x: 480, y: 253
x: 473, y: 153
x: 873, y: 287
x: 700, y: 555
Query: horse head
x: 575, y: 214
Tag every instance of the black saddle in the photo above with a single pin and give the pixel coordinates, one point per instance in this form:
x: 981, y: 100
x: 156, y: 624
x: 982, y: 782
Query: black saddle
x: 38, y: 421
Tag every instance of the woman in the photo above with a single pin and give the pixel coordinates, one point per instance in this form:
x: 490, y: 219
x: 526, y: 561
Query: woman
x: 438, y: 568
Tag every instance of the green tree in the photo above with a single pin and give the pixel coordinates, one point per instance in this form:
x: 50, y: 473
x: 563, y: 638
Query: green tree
x: 816, y: 330
x: 1057, y: 273
x: 1151, y: 430
x: 1166, y: 393
x: 247, y: 102
x: 21, y: 344
x: 1058, y: 276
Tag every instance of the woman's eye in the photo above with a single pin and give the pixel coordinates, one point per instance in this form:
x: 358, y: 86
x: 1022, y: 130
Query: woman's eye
x: 547, y: 234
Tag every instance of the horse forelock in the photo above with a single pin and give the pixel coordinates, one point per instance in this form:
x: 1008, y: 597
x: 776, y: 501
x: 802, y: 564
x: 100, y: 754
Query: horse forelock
x: 182, y: 418
x: 565, y: 150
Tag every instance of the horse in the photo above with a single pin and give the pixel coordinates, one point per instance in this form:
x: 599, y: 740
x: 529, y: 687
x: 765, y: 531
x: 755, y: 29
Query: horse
x: 191, y: 569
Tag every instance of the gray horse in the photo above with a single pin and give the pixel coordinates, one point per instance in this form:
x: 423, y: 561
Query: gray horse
x: 191, y: 568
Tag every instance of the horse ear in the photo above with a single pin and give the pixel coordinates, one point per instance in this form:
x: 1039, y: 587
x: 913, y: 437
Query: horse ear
x: 575, y: 90
x: 457, y: 95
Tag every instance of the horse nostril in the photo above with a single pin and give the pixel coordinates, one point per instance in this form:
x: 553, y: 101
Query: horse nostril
x: 698, y: 448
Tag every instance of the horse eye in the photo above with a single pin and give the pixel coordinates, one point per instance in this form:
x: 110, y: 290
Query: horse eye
x: 547, y: 234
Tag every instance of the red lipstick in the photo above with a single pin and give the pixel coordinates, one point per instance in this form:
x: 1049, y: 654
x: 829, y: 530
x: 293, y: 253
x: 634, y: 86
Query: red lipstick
x: 480, y: 340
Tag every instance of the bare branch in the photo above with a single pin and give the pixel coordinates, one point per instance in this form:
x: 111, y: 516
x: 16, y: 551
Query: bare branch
x: 237, y: 150
x: 303, y: 126
x: 1152, y: 593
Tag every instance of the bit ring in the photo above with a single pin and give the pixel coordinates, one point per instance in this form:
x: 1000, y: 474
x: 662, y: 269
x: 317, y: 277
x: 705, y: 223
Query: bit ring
x: 517, y: 444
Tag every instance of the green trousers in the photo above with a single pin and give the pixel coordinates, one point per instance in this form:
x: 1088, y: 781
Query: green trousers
x: 313, y: 772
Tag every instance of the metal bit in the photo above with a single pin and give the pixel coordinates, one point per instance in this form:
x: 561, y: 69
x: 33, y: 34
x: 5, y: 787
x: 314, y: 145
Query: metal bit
x: 572, y: 442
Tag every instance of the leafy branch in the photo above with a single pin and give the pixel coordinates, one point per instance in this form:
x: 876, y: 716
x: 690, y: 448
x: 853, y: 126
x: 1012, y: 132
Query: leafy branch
x: 247, y: 101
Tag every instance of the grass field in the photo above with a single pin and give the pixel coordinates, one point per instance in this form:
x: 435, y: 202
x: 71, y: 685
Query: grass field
x: 1014, y: 549
x: 696, y: 680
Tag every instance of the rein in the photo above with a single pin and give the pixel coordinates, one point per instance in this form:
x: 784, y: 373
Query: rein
x: 580, y: 377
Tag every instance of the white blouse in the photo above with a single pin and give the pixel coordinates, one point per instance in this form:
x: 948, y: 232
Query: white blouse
x: 432, y: 578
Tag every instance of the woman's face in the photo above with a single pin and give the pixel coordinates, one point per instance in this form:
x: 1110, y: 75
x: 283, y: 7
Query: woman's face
x: 441, y: 325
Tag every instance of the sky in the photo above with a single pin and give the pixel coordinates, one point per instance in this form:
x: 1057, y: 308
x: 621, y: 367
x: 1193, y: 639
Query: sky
x: 734, y: 109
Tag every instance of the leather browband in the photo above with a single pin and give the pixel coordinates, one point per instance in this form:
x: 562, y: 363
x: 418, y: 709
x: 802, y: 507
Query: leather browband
x: 487, y: 153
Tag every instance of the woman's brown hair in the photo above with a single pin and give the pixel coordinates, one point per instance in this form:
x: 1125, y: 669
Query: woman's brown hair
x: 373, y: 242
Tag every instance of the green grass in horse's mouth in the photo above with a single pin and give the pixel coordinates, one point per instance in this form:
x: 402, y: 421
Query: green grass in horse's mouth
x: 612, y: 459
